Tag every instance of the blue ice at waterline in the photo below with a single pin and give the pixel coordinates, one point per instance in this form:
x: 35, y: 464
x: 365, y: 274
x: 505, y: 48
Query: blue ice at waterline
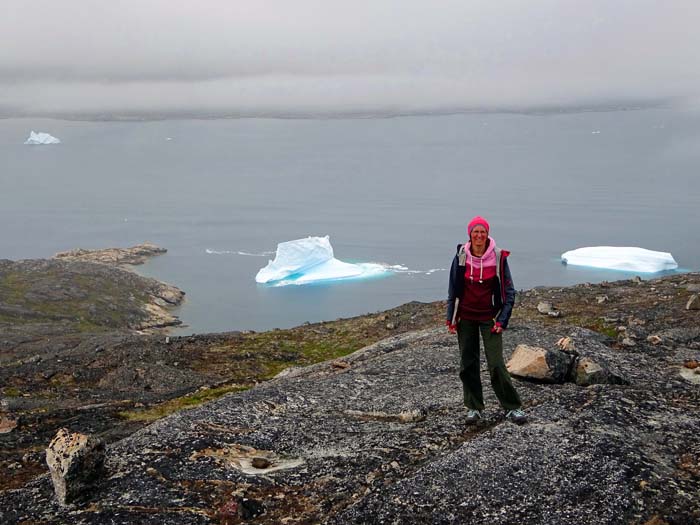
x: 625, y: 258
x: 311, y: 260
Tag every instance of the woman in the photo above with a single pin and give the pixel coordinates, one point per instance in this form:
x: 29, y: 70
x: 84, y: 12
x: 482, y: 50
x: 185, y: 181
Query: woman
x: 480, y: 300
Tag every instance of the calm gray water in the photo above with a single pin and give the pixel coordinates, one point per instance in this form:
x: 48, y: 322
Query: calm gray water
x: 389, y: 190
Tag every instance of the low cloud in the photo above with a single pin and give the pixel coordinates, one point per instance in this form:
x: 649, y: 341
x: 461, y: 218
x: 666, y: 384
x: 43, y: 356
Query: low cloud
x: 332, y: 57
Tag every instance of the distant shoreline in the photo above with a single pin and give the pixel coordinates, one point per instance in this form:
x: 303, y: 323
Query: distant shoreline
x: 554, y: 109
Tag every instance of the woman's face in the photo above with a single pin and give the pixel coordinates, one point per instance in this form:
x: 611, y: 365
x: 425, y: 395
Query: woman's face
x: 479, y: 236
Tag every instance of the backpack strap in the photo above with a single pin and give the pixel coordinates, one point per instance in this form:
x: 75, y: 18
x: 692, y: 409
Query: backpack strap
x: 462, y: 255
x: 498, y: 263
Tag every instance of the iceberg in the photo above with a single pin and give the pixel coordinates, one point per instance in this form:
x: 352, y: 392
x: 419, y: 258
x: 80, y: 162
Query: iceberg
x: 309, y: 260
x: 629, y: 259
x: 41, y: 138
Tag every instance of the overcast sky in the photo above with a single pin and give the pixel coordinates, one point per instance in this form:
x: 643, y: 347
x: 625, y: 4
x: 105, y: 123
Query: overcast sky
x: 333, y: 56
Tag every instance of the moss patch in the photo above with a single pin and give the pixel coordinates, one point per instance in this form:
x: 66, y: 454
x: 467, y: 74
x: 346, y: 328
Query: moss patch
x: 256, y: 356
x: 179, y: 403
x: 11, y: 391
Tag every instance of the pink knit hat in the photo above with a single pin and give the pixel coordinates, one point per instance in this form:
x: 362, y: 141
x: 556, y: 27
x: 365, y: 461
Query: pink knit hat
x: 477, y: 221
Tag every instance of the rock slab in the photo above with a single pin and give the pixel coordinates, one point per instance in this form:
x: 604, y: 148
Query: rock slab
x: 75, y: 461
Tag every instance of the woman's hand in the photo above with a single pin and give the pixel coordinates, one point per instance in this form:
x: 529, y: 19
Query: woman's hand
x: 496, y: 328
x: 452, y: 328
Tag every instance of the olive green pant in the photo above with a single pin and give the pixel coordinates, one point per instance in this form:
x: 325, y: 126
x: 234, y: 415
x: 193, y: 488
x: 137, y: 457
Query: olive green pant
x: 469, y: 370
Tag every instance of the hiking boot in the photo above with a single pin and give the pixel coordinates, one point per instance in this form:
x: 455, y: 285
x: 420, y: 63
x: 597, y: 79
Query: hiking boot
x: 516, y: 416
x: 473, y: 416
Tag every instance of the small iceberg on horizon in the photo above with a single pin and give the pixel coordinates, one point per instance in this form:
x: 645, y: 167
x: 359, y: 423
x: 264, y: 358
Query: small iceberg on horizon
x: 625, y: 258
x: 309, y: 260
x: 41, y: 138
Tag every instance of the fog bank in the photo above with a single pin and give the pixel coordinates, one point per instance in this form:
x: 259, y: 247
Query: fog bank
x: 333, y: 57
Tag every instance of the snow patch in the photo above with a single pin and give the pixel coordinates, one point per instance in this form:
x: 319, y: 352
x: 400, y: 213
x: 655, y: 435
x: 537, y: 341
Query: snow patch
x: 624, y: 258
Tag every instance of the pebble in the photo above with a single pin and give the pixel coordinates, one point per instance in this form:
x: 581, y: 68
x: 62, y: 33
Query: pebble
x: 259, y: 462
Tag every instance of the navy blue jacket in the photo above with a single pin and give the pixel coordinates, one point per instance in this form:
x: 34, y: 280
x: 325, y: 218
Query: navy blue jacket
x: 503, y: 296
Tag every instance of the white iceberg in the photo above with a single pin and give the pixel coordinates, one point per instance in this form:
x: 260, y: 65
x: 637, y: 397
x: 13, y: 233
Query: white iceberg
x: 629, y: 259
x: 41, y: 138
x: 309, y: 260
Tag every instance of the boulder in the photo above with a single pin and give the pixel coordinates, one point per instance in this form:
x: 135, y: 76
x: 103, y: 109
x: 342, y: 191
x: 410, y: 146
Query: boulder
x: 691, y: 375
x: 76, y: 462
x: 589, y: 372
x: 693, y: 303
x: 544, y: 307
x: 585, y: 370
x: 533, y: 362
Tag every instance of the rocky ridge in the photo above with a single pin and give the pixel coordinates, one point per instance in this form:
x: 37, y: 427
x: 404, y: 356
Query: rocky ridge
x: 379, y: 436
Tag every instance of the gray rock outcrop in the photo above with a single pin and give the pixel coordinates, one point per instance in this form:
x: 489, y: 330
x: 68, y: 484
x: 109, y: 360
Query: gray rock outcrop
x: 383, y: 439
x: 379, y: 435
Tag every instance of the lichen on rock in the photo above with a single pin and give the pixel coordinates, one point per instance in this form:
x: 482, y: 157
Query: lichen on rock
x: 75, y: 461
